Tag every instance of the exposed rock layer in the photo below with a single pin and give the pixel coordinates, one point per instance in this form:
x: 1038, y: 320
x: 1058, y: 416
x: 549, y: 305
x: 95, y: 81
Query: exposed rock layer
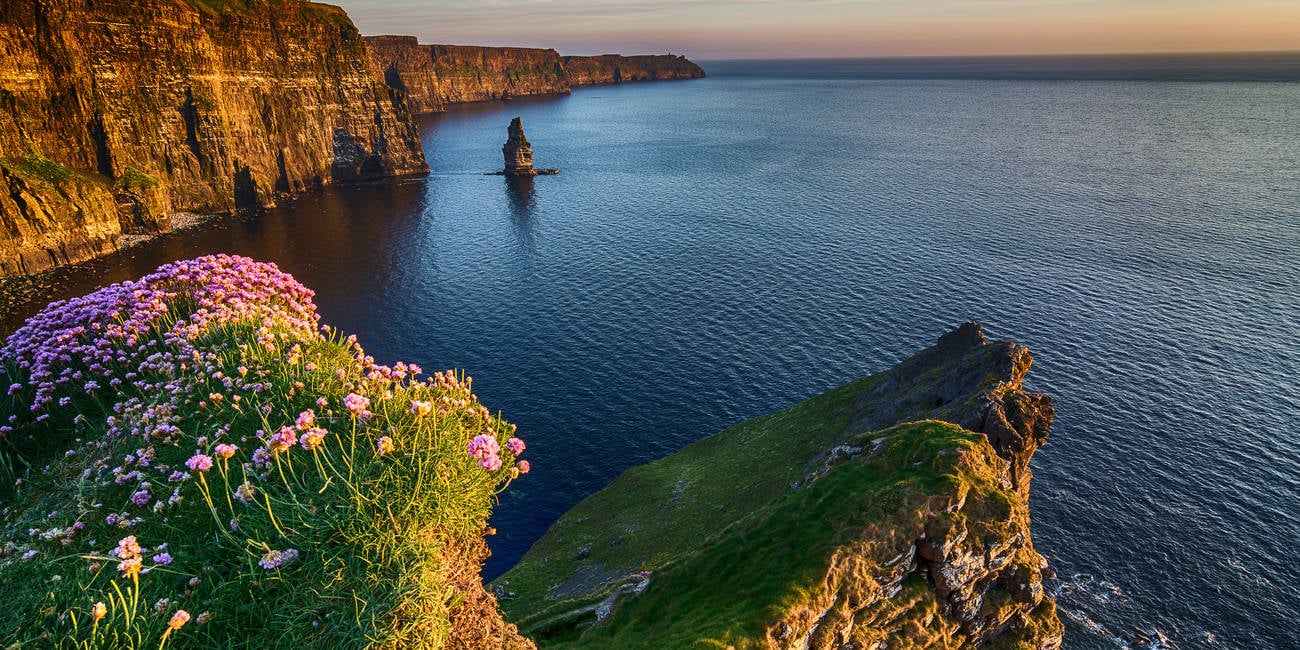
x: 435, y: 76
x: 616, y: 68
x: 118, y: 113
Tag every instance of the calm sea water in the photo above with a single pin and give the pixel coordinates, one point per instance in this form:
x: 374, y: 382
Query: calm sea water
x: 718, y: 249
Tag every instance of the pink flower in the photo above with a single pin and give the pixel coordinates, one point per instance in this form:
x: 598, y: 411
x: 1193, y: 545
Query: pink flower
x: 485, y: 448
x: 313, y: 438
x: 226, y: 451
x: 523, y: 466
x: 178, y: 620
x: 356, y: 404
x: 285, y: 438
x: 384, y: 445
x: 515, y: 445
x: 199, y: 462
x: 306, y: 420
x: 421, y: 408
x: 321, y: 402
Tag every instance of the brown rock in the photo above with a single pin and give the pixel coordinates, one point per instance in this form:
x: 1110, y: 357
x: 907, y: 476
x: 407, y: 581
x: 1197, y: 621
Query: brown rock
x: 517, y: 151
x: 616, y: 68
x: 145, y: 109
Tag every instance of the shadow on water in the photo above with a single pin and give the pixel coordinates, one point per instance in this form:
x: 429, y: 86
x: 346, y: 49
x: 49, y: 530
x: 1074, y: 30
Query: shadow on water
x: 521, y: 196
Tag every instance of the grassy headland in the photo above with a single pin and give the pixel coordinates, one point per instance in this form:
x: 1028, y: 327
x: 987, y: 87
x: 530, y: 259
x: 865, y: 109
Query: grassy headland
x: 800, y: 529
x: 191, y: 459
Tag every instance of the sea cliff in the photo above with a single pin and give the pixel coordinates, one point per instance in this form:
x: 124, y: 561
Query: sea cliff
x: 616, y: 68
x: 115, y: 115
x: 891, y: 512
x: 431, y: 77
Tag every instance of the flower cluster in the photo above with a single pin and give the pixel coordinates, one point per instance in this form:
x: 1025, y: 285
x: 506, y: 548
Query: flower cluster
x: 133, y: 330
x: 128, y: 551
x: 275, y: 559
x: 485, y: 448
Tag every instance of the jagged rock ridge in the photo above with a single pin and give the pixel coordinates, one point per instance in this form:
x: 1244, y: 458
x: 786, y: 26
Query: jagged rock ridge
x: 116, y: 114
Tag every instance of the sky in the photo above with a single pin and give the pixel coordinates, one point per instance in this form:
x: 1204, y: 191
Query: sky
x: 720, y: 29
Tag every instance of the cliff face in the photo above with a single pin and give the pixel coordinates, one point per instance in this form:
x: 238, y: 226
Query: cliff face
x: 116, y: 114
x: 616, y: 68
x: 433, y: 76
x: 890, y: 512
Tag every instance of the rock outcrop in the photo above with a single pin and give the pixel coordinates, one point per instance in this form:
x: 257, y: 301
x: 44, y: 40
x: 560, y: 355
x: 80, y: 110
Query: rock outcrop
x: 887, y: 513
x: 434, y: 76
x: 115, y: 114
x: 518, y: 153
x: 517, y: 150
x: 616, y: 68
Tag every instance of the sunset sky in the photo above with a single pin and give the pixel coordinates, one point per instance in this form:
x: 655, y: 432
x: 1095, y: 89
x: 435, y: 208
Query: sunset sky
x: 707, y: 29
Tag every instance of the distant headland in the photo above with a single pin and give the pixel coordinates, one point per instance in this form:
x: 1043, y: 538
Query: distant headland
x: 155, y: 112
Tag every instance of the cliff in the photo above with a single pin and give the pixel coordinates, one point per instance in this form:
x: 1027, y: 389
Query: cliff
x: 616, y: 68
x: 433, y: 76
x: 857, y: 519
x: 116, y: 114
x: 190, y: 459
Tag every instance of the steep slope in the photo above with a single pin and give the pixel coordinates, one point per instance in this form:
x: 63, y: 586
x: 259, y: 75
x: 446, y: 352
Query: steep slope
x: 616, y: 68
x: 822, y: 526
x: 433, y: 76
x: 117, y: 113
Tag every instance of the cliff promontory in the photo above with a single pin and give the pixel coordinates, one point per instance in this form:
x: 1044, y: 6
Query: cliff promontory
x: 118, y: 113
x: 616, y: 68
x: 890, y: 512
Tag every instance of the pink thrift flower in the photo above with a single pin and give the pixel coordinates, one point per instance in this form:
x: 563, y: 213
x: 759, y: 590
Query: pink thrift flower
x: 523, y: 467
x: 285, y: 438
x: 516, y: 446
x: 178, y: 620
x: 306, y: 420
x: 313, y: 438
x: 226, y: 451
x: 356, y: 404
x: 421, y: 408
x: 199, y: 462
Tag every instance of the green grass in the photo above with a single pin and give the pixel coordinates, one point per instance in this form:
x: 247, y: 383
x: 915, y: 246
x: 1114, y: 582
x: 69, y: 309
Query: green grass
x: 35, y: 166
x: 374, y: 532
x: 772, y: 560
x: 132, y: 179
x: 655, y: 514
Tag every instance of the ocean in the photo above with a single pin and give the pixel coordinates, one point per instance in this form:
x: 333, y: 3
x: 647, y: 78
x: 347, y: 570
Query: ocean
x: 717, y: 249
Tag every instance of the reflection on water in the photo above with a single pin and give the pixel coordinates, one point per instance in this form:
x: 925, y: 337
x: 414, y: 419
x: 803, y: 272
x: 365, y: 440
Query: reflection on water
x: 522, y: 197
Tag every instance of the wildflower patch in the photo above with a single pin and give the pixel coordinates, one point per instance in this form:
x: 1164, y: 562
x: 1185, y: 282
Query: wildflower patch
x: 197, y: 441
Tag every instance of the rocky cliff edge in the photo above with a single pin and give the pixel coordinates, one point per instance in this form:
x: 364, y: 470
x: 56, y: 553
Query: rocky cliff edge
x: 890, y: 512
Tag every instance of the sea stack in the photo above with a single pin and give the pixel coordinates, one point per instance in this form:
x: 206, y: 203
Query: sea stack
x: 519, y: 153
